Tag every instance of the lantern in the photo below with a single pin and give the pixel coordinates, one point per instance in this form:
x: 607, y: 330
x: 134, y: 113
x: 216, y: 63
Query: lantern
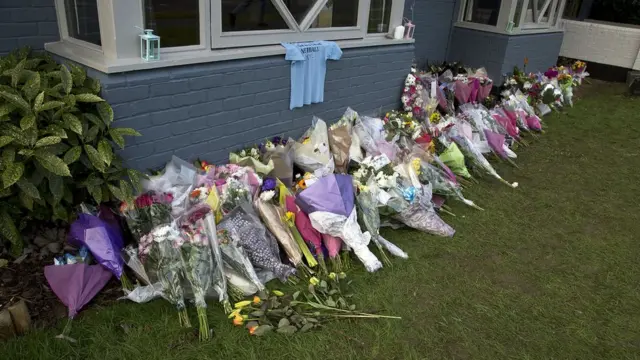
x: 409, y: 26
x: 149, y: 46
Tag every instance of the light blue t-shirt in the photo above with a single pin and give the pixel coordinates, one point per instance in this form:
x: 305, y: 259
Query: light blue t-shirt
x: 308, y: 68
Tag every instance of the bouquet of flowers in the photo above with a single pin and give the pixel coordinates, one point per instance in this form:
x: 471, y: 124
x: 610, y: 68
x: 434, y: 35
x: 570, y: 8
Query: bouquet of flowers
x: 371, y: 132
x: 195, y: 251
x: 160, y: 253
x: 330, y: 205
x: 533, y: 121
x: 402, y: 126
x: 414, y: 96
x: 178, y: 179
x: 453, y: 158
x: 245, y: 228
x: 235, y: 185
x: 272, y: 215
x: 565, y: 80
x: 485, y: 84
x: 340, y: 142
x: 463, y: 88
x: 303, y: 225
x: 579, y: 69
x: 250, y: 156
x: 279, y: 151
x: 237, y: 266
x: 367, y: 201
x: 146, y: 212
x: 312, y: 153
x: 355, y: 152
x: 515, y: 114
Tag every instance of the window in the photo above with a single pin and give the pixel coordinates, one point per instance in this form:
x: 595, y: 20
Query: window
x: 176, y: 22
x: 82, y: 20
x: 482, y: 11
x: 512, y: 16
x: 104, y: 34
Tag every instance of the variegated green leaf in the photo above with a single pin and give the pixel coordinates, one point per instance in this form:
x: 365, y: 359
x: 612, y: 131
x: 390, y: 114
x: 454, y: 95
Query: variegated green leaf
x: 12, y: 173
x: 117, y: 138
x: 105, y: 150
x: 26, y: 201
x: 6, y: 109
x: 37, y: 104
x: 106, y: 112
x: 126, y: 131
x: 89, y: 98
x: 17, y: 101
x: 72, y: 155
x: 91, y: 134
x: 66, y: 79
x: 117, y: 192
x: 72, y: 123
x: 52, y: 163
x: 96, y: 192
x: 56, y: 186
x: 78, y: 74
x: 49, y: 140
x: 9, y: 231
x: 95, y: 158
x: 32, y: 87
x: 27, y: 122
x: 5, y: 140
x: 30, y: 189
x: 50, y: 105
x: 134, y: 177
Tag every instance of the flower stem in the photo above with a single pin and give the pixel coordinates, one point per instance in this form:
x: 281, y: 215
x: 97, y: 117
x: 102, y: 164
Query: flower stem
x: 183, y: 318
x: 126, y: 284
x: 204, y: 323
x: 303, y: 246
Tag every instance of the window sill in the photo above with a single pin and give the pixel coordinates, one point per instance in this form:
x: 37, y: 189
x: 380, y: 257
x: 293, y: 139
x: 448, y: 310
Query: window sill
x: 515, y: 32
x: 97, y: 60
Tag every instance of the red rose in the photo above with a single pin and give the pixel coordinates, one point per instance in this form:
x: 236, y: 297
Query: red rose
x: 143, y: 201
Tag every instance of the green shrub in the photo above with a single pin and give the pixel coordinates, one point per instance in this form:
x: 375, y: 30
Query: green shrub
x: 56, y: 144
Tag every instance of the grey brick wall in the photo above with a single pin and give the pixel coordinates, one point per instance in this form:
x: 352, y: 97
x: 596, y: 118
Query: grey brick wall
x: 27, y: 23
x: 433, y: 26
x: 499, y: 53
x: 207, y: 110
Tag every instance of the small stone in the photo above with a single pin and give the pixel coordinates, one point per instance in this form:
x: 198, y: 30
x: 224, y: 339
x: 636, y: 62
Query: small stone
x: 41, y: 241
x: 28, y: 250
x: 7, y: 330
x: 20, y: 316
x: 29, y: 293
x: 54, y: 247
x: 20, y: 259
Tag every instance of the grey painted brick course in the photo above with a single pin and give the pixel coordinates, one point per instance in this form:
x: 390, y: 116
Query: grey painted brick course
x: 169, y: 88
x: 128, y: 94
x: 27, y: 23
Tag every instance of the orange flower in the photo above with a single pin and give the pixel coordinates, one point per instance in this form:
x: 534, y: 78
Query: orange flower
x: 195, y: 193
x: 123, y: 207
x: 252, y: 329
x: 302, y: 185
x: 526, y: 61
x: 256, y: 300
x: 204, y: 165
x: 238, y: 320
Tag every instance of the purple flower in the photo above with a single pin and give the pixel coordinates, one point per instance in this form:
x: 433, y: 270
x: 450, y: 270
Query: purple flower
x: 268, y: 184
x: 276, y: 140
x: 551, y: 73
x: 262, y: 148
x: 284, y: 142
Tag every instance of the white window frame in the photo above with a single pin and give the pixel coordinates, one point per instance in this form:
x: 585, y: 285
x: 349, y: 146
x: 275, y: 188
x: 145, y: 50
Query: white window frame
x: 529, y: 22
x: 121, y: 20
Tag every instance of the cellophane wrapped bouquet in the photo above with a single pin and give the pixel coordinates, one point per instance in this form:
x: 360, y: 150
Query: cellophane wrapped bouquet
x: 279, y: 151
x: 312, y: 153
x: 178, y: 179
x: 250, y: 156
x: 340, y: 142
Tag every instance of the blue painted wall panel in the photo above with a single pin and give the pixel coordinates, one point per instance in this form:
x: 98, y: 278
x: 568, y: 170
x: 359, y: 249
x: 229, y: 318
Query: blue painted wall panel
x: 433, y: 25
x: 27, y: 23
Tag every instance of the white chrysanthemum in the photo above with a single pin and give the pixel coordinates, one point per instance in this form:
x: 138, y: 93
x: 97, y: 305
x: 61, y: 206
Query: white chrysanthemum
x: 267, y: 195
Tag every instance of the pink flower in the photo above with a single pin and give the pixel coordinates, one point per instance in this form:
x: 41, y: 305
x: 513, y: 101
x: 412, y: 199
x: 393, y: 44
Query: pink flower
x: 143, y: 201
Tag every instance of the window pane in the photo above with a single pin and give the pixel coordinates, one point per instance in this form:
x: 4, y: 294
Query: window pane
x: 82, y: 20
x: 337, y: 13
x: 483, y: 11
x: 247, y: 15
x: 379, y: 15
x: 299, y: 8
x: 177, y: 22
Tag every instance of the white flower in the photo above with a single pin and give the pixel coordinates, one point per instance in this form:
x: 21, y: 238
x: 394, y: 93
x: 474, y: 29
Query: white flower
x: 527, y: 85
x: 267, y: 195
x: 413, y: 70
x: 243, y: 153
x: 410, y: 115
x: 418, y: 102
x: 506, y: 93
x: 254, y: 152
x: 513, y: 81
x: 407, y: 108
x: 404, y: 99
x: 406, y: 89
x: 269, y: 145
x: 411, y: 80
x: 419, y: 87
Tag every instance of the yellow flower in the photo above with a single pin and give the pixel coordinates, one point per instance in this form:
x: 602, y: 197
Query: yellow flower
x: 432, y: 147
x: 314, y: 281
x: 434, y: 118
x: 332, y: 276
x: 241, y: 304
x: 252, y: 329
x: 256, y: 300
x: 277, y: 293
x: 238, y: 320
x: 306, y: 140
x: 290, y: 216
x: 416, y: 165
x: 234, y: 313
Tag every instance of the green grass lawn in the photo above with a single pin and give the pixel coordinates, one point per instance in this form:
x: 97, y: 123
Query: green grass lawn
x: 551, y: 270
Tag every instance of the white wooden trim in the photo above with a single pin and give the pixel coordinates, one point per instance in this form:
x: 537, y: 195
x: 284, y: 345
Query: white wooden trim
x: 289, y: 19
x: 312, y: 14
x: 205, y: 30
x: 396, y: 17
x: 540, y: 16
x: 106, y: 65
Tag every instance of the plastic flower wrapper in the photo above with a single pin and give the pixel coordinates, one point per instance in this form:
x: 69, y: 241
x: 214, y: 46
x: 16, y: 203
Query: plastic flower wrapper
x: 579, y: 70
x: 371, y: 133
x: 355, y: 152
x: 340, y: 143
x: 236, y: 259
x: 104, y: 240
x: 163, y: 259
x: 367, y: 200
x: 310, y: 235
x: 238, y: 286
x: 148, y: 287
x: 312, y: 152
x: 245, y: 228
x: 200, y: 269
x: 532, y: 119
x: 251, y: 157
x: 515, y: 114
x: 233, y: 193
x: 476, y: 158
x: 243, y: 174
x: 330, y: 205
x: 402, y: 126
x: 279, y: 151
x: 505, y: 122
x: 417, y: 211
x: 565, y: 81
x: 484, y: 82
x: 454, y: 159
x: 268, y: 206
x: 146, y: 212
x: 178, y: 179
